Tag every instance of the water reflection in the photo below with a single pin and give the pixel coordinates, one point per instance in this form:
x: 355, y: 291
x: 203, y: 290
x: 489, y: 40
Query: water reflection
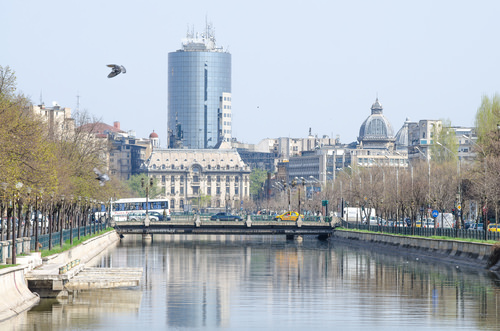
x: 243, y: 282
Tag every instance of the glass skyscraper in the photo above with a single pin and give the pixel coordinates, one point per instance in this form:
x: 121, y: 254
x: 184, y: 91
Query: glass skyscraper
x: 199, y: 93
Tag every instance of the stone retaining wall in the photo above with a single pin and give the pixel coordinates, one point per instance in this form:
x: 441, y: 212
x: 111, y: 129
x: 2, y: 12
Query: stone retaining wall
x: 86, y: 250
x: 468, y: 251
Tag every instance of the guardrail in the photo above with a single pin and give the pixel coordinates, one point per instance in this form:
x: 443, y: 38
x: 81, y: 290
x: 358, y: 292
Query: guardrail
x: 426, y: 232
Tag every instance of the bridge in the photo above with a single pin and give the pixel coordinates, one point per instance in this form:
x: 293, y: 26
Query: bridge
x: 197, y: 226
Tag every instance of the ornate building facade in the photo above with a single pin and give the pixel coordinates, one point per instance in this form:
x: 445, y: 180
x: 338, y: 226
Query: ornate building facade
x: 200, y: 178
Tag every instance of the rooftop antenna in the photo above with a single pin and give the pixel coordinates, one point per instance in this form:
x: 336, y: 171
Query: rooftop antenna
x: 41, y: 98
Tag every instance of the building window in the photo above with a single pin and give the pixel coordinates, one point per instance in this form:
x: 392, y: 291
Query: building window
x: 163, y: 179
x: 172, y: 179
x: 172, y: 203
x: 182, y: 179
x: 172, y: 190
x: 227, y: 189
x: 209, y: 191
x: 218, y: 179
x: 181, y: 190
x: 209, y: 179
x: 227, y: 179
x: 236, y: 179
x: 181, y: 204
x: 217, y: 190
x: 236, y: 190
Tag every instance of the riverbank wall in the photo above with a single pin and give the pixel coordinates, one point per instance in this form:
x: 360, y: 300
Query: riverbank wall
x: 455, y: 251
x: 14, y: 290
x: 16, y: 297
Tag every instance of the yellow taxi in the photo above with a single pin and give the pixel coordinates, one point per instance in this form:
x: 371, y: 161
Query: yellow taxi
x: 289, y: 216
x: 494, y: 227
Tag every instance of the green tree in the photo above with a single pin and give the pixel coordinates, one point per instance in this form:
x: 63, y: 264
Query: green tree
x: 445, y: 140
x: 487, y: 117
x: 257, y: 178
x: 135, y: 184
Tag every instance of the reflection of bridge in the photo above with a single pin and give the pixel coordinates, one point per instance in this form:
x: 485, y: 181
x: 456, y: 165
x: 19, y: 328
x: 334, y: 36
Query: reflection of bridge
x: 196, y: 226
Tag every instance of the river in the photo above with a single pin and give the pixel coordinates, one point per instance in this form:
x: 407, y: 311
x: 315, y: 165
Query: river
x: 267, y: 282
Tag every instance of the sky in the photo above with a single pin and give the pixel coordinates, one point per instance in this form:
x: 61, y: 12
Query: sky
x: 296, y: 65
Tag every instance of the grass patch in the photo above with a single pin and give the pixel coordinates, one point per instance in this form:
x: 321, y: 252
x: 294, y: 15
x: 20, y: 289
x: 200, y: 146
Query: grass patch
x: 3, y: 266
x: 66, y: 245
x: 431, y: 237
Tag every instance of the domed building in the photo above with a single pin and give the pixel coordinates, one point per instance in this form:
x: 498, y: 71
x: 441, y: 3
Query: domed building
x: 155, y: 140
x: 376, y: 131
x: 402, y: 137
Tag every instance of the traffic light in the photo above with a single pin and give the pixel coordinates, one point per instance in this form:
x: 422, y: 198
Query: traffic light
x: 453, y: 211
x: 151, y: 181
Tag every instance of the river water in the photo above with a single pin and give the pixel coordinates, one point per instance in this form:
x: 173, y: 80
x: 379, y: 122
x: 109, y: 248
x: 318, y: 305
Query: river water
x: 269, y: 283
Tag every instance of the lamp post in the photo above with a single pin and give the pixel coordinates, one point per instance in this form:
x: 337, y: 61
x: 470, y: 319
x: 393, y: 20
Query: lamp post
x: 459, y: 191
x: 61, y: 217
x: 51, y: 219
x: 428, y: 157
x: 147, y: 187
x: 36, y: 227
x: 18, y: 187
x: 3, y: 206
x: 79, y: 213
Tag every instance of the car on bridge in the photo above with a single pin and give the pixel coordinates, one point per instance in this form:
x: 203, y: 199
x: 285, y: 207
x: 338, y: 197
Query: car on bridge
x: 289, y: 216
x: 225, y: 217
x: 494, y: 227
x: 141, y: 216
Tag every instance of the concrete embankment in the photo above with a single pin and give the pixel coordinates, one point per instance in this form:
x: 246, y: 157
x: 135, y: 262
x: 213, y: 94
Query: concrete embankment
x: 49, y: 279
x: 455, y: 251
x: 15, y: 294
x: 16, y: 297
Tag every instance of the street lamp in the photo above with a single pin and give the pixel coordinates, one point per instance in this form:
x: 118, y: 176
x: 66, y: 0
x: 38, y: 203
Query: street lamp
x: 61, y: 219
x: 148, y: 186
x: 18, y: 187
x: 428, y: 157
x: 459, y: 194
x: 2, y: 207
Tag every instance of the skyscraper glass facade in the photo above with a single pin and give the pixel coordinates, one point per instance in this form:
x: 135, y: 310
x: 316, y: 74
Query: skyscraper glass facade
x: 198, y: 75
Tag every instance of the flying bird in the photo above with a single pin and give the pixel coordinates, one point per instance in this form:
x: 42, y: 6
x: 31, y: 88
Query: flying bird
x: 102, y: 178
x: 117, y: 69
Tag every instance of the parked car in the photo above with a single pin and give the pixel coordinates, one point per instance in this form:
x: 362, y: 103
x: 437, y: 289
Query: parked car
x: 289, y: 216
x: 225, y: 217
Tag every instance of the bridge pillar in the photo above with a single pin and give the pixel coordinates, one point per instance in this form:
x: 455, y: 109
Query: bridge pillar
x: 147, y: 237
x: 290, y: 237
x: 299, y: 222
x: 197, y: 222
x: 248, y: 222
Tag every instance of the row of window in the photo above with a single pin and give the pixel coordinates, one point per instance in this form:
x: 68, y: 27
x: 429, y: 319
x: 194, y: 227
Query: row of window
x: 196, y: 179
x: 209, y: 190
x: 218, y: 204
x: 209, y: 167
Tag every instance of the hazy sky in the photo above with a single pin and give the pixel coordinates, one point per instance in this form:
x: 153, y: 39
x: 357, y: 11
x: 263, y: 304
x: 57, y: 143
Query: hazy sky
x: 296, y: 64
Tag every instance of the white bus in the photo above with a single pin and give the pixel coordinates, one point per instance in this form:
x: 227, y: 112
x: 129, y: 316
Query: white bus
x: 122, y: 207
